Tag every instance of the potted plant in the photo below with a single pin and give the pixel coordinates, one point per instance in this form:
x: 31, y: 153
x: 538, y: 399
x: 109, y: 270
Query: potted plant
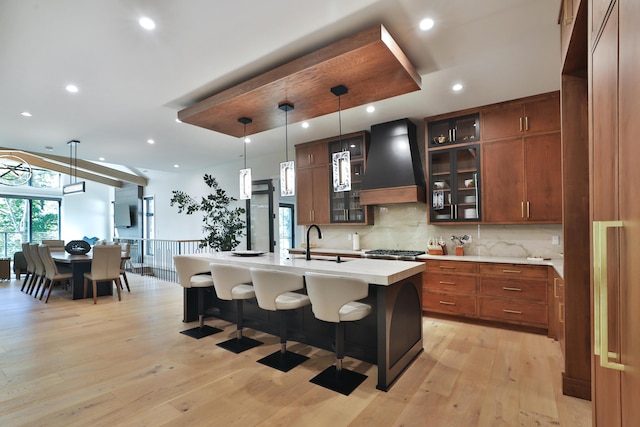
x: 223, y: 226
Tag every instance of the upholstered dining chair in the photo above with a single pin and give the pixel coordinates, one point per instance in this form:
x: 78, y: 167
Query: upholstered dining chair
x: 275, y: 292
x: 51, y: 273
x: 196, y: 273
x: 125, y: 248
x: 334, y: 299
x: 31, y: 267
x: 105, y: 266
x: 39, y: 270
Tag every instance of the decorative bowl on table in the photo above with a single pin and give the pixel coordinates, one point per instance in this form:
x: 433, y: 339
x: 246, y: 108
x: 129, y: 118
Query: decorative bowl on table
x: 77, y: 247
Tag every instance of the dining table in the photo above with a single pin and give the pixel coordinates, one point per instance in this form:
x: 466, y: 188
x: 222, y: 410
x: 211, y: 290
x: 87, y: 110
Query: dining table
x: 80, y: 264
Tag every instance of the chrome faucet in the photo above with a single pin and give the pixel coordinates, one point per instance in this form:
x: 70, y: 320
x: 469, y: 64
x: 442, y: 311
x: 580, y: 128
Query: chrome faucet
x: 308, y: 245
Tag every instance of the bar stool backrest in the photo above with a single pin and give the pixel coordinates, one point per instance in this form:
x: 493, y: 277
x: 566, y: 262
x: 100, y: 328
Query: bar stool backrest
x: 329, y: 293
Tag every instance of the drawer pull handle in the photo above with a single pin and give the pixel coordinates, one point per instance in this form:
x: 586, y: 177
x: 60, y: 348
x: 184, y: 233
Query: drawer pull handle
x: 447, y: 303
x: 511, y: 311
x: 442, y: 282
x: 446, y: 267
x: 512, y: 271
x: 506, y: 288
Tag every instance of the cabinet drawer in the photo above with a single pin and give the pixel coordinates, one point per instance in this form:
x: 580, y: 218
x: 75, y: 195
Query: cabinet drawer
x: 514, y: 270
x: 437, y: 266
x: 514, y: 311
x: 518, y: 289
x: 450, y: 283
x: 449, y: 303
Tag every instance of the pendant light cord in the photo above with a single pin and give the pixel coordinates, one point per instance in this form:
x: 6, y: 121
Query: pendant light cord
x: 286, y: 134
x: 244, y: 145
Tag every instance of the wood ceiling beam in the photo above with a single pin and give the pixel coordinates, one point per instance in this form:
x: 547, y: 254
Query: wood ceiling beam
x: 370, y: 64
x: 86, y: 170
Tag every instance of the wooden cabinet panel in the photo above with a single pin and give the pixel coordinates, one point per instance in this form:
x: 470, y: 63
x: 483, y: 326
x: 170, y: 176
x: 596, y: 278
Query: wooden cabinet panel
x: 522, y: 117
x: 514, y: 311
x: 312, y: 195
x: 449, y: 303
x: 450, y: 283
x: 558, y: 311
x: 312, y: 154
x: 438, y: 266
x: 504, y: 122
x: 514, y: 270
x: 543, y: 178
x: 503, y: 181
x: 542, y: 115
x: 530, y: 290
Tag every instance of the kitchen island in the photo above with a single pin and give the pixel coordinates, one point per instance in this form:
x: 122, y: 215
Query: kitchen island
x: 390, y: 337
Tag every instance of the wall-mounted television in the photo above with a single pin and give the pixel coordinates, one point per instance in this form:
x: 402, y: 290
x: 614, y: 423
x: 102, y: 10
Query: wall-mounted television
x: 122, y: 215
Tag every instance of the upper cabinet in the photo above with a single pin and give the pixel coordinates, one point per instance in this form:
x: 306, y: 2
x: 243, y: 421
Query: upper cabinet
x: 345, y: 206
x: 522, y: 118
x: 454, y: 130
x: 505, y: 167
x: 317, y: 203
x: 454, y: 175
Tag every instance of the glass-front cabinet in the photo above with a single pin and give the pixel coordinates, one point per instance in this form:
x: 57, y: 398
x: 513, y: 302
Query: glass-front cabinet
x: 455, y: 130
x: 454, y: 179
x: 345, y: 205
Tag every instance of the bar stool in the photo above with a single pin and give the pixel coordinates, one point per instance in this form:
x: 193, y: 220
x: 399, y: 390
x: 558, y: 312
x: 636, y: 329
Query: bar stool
x: 233, y: 282
x: 274, y: 292
x: 333, y: 299
x: 189, y: 271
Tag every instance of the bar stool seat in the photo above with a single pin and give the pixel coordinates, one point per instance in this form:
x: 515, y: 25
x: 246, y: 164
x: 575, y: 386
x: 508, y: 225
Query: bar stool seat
x: 233, y: 283
x: 274, y: 292
x: 190, y: 275
x: 334, y: 299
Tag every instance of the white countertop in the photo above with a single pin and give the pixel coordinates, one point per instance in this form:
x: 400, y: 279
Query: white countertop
x: 374, y: 271
x: 556, y: 263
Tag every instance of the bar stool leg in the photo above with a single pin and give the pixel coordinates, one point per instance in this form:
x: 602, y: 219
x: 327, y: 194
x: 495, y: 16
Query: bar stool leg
x: 240, y: 343
x: 283, y: 360
x: 202, y: 330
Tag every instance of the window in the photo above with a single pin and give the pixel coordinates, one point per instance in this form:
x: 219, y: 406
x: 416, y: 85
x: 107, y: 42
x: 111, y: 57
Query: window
x: 25, y: 219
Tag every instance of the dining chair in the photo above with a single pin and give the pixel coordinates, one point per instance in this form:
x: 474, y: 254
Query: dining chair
x: 31, y: 267
x: 51, y: 272
x: 54, y: 245
x: 105, y: 266
x: 125, y: 248
x: 39, y: 270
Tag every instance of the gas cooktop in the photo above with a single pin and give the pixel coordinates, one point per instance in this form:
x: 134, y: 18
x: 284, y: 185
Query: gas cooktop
x: 399, y: 254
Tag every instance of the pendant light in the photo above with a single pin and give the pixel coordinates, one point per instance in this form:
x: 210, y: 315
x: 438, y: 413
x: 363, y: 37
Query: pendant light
x: 287, y: 168
x: 341, y: 161
x: 245, y: 174
x: 74, y: 186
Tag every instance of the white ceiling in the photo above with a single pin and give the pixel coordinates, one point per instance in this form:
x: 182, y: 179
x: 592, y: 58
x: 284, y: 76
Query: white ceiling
x: 133, y: 82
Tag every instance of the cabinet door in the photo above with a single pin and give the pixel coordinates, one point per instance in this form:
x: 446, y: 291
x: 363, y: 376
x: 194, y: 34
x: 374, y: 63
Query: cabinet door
x: 543, y: 178
x: 304, y: 196
x: 503, y: 181
x: 312, y: 195
x: 542, y: 115
x: 504, y: 122
x: 345, y: 206
x: 312, y: 154
x: 604, y: 92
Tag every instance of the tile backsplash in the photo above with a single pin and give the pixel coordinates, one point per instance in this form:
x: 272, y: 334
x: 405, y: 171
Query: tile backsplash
x: 404, y: 226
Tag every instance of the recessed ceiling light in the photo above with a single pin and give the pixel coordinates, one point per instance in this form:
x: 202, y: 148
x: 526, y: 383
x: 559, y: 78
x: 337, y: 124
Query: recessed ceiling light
x: 150, y: 141
x: 457, y: 87
x: 176, y: 166
x: 305, y: 124
x: 147, y: 23
x: 26, y: 114
x: 371, y: 109
x: 72, y: 88
x: 101, y: 159
x: 178, y: 121
x: 426, y: 24
x: 247, y: 140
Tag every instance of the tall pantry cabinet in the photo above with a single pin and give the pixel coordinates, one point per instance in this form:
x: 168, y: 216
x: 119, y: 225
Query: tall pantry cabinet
x: 614, y: 101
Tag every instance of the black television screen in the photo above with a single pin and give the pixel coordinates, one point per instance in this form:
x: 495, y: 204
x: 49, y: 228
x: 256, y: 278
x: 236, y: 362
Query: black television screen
x: 122, y: 215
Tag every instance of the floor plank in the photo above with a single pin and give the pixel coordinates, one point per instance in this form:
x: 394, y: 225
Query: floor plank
x: 73, y: 363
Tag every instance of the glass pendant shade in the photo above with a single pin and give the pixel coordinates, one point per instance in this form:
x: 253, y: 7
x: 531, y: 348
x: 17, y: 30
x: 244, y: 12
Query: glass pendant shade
x: 287, y: 168
x: 341, y: 161
x: 245, y: 174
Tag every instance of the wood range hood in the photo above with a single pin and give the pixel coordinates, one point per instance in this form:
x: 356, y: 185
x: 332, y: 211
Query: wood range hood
x: 369, y: 63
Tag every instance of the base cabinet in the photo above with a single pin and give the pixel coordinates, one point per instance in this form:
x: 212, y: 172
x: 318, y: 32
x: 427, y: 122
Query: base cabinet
x: 506, y: 293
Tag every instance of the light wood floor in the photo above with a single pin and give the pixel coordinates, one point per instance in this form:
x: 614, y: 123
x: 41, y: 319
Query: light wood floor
x: 72, y: 363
